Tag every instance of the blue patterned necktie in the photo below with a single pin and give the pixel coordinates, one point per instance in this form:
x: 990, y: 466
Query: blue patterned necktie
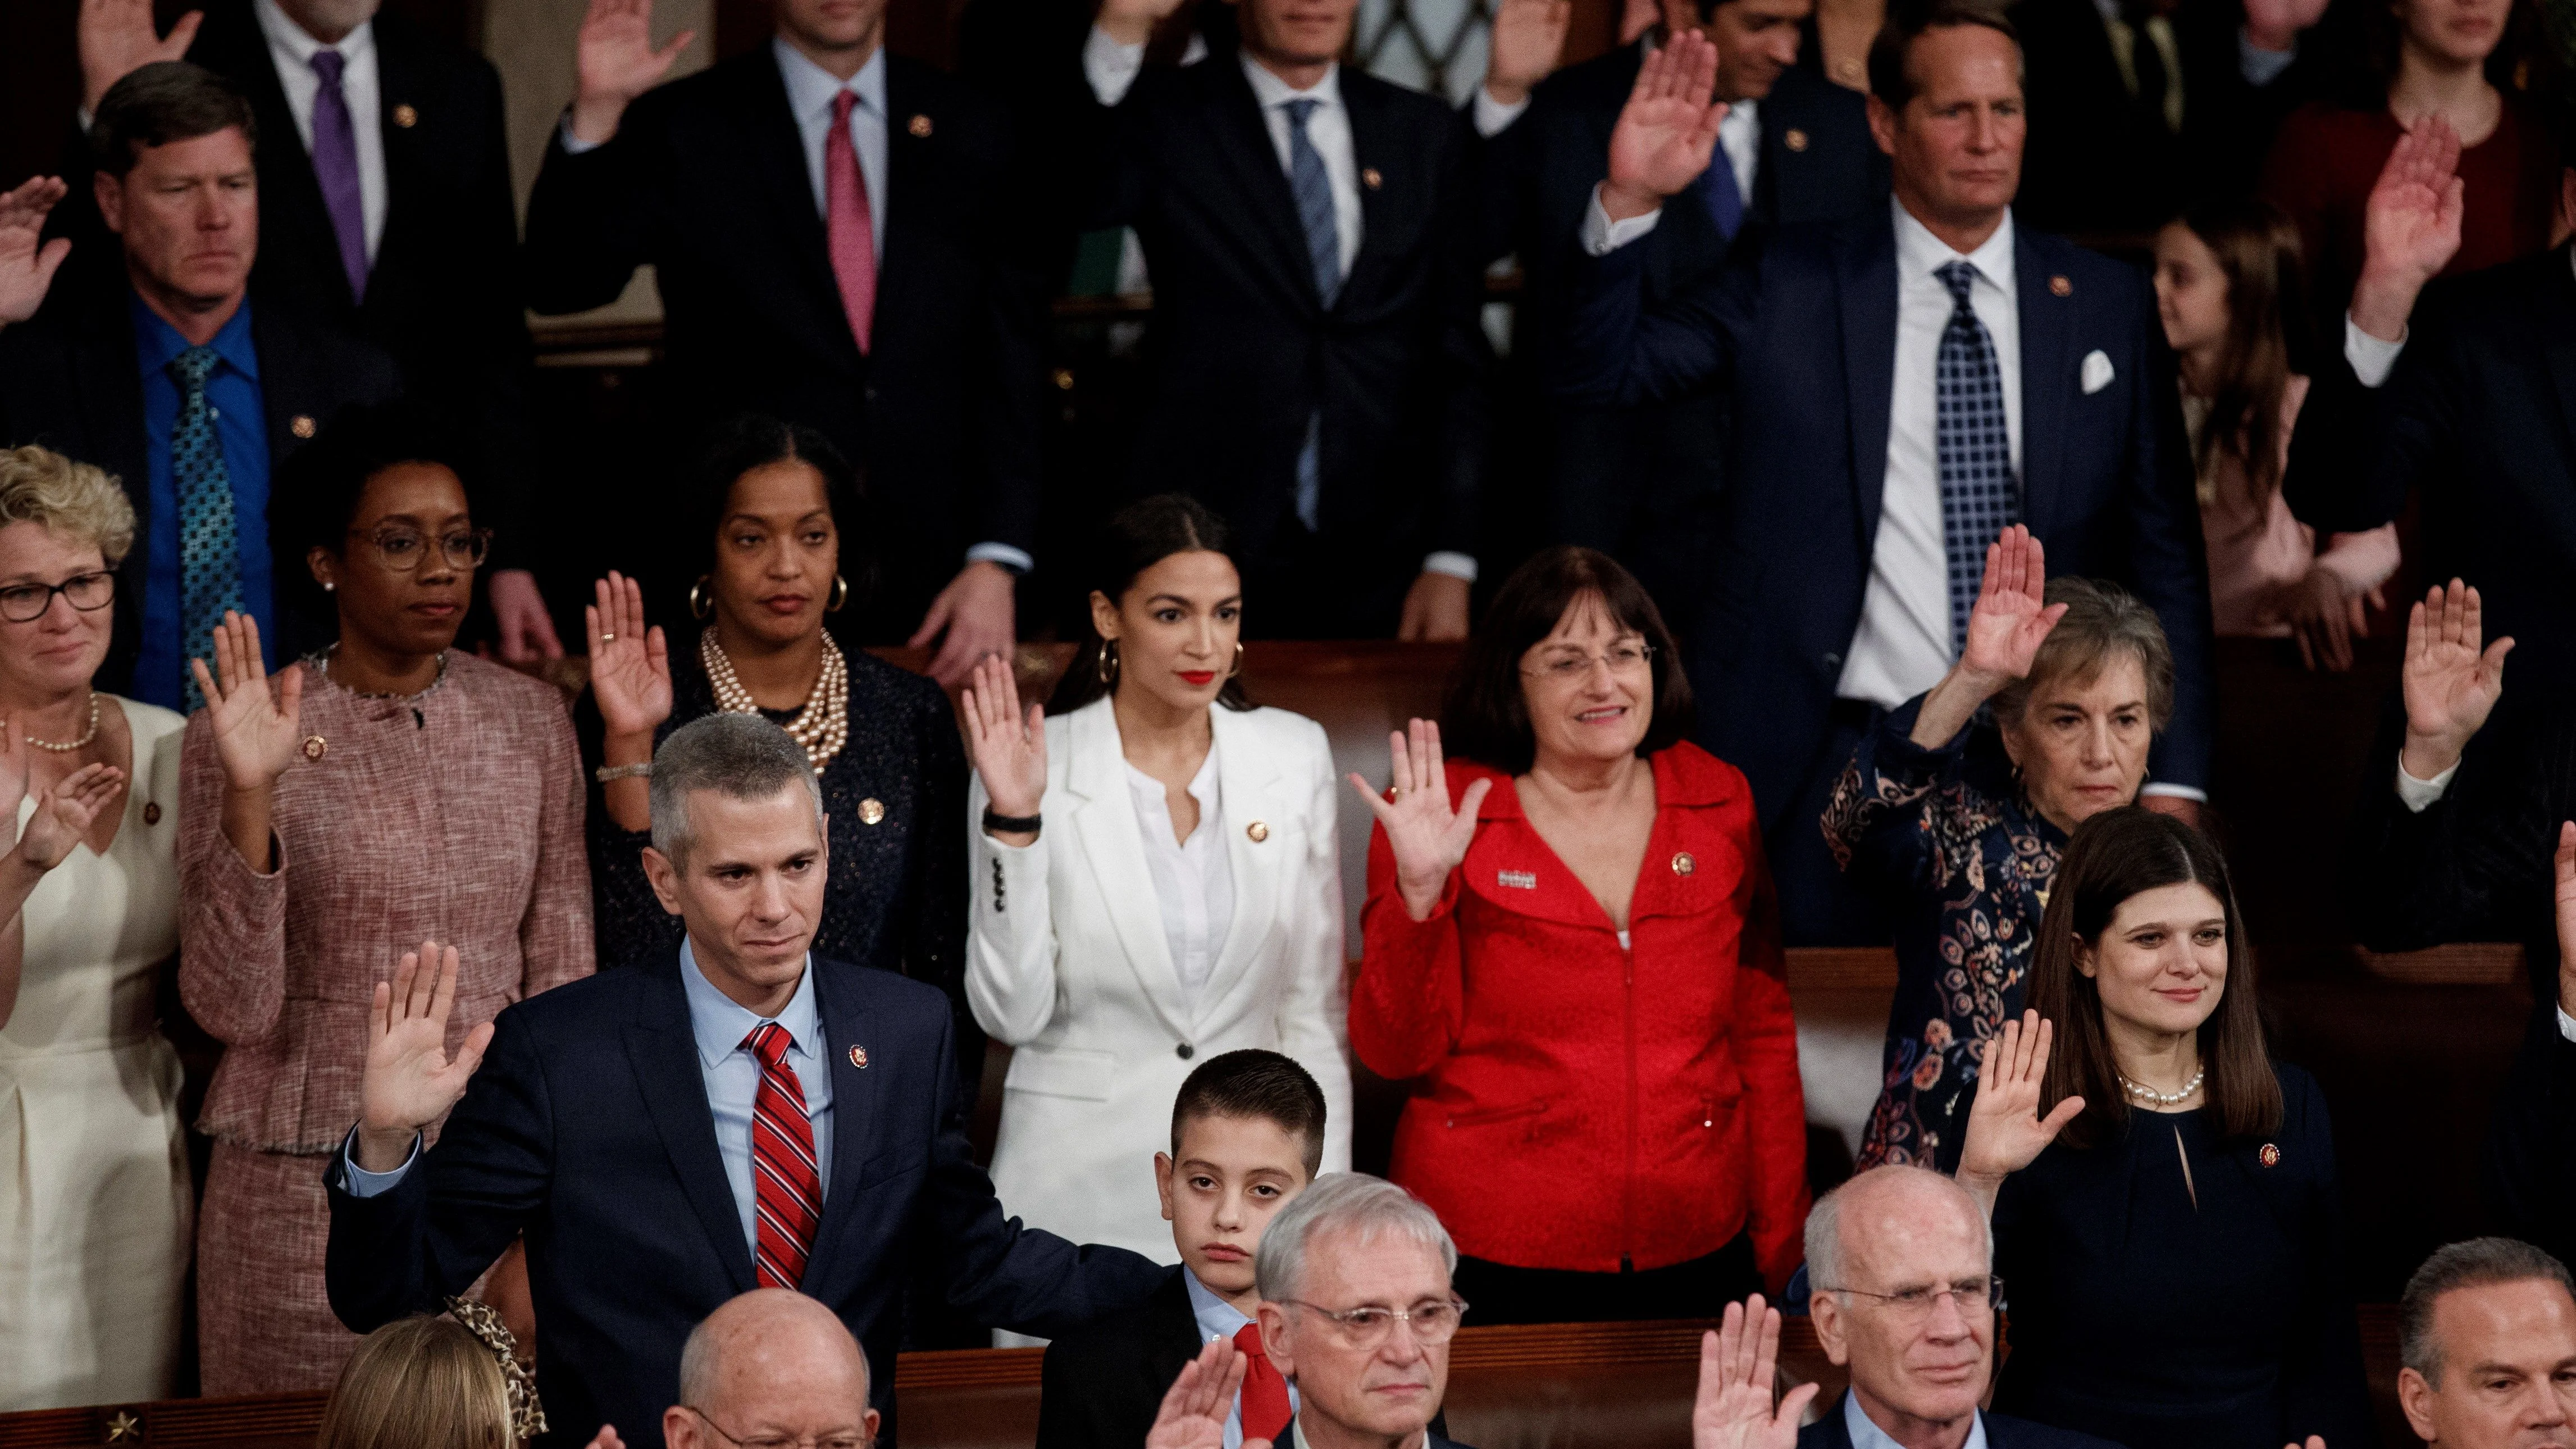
x: 1724, y: 199
x: 1313, y: 188
x: 1974, y: 446
x: 209, y: 549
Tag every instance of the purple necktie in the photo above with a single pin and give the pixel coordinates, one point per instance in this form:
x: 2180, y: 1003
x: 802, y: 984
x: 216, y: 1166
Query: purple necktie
x: 335, y: 165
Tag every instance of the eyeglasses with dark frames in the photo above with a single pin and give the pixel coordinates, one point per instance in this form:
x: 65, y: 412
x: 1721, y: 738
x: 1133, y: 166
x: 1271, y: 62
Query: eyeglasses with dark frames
x: 403, y: 549
x: 89, y: 593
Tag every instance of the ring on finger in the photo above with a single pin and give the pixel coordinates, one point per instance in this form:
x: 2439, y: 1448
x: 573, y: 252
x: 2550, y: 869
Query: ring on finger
x: 607, y: 638
x: 1394, y: 793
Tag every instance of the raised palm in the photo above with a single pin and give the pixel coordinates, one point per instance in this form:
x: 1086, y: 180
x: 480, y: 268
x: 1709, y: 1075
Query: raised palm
x: 1528, y: 39
x: 1194, y: 1409
x: 1008, y: 746
x: 117, y: 38
x: 27, y: 260
x: 1668, y: 128
x: 616, y: 57
x: 2012, y: 616
x: 2451, y: 683
x: 66, y: 812
x: 1428, y: 837
x: 2005, y: 1131
x: 2410, y: 224
x: 1737, y: 1365
x: 2282, y: 19
x: 630, y: 665
x: 410, y: 1080
x: 2566, y: 870
x: 254, y: 716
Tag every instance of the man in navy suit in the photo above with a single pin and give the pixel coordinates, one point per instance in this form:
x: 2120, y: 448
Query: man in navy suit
x: 1906, y: 383
x: 666, y: 1138
x: 1905, y: 1298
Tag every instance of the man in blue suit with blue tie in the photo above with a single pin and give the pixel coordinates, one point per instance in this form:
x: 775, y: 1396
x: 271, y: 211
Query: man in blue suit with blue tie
x: 1906, y: 383
x: 741, y: 1116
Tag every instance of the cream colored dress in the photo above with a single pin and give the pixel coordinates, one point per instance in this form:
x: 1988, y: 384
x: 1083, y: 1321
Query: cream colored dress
x: 94, y: 1193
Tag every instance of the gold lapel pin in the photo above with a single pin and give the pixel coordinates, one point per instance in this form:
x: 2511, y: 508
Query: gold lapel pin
x: 871, y: 810
x: 1683, y: 864
x: 301, y: 425
x: 859, y: 1057
x: 406, y: 116
x: 1794, y: 139
x: 919, y: 126
x: 1258, y: 830
x: 315, y: 747
x: 1370, y: 179
x: 2060, y: 287
x: 151, y: 812
x: 2270, y: 1155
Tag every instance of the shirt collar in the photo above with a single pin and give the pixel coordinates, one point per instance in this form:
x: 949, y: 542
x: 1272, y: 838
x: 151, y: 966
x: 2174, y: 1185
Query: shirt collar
x: 284, y: 34
x: 156, y: 342
x: 1866, y: 1434
x: 810, y: 88
x: 1202, y: 786
x: 720, y: 1022
x: 1217, y: 1318
x: 1919, y: 253
x: 1271, y: 91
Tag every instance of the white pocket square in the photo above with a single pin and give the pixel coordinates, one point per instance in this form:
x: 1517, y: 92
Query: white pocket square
x: 2096, y: 373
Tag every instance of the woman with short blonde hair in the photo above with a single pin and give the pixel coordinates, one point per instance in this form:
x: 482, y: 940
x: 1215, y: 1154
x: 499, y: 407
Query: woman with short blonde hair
x: 420, y: 1383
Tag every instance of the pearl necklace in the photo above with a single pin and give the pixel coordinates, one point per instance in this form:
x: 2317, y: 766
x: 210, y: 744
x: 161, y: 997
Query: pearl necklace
x: 2165, y: 1099
x: 82, y: 743
x: 821, y: 728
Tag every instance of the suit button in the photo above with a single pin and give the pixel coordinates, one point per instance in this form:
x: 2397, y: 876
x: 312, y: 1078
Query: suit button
x: 1185, y: 1051
x: 871, y: 392
x: 1833, y: 661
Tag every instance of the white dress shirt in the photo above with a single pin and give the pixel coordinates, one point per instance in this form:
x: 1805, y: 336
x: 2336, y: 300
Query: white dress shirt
x: 1193, y: 881
x: 291, y: 51
x: 1220, y: 1319
x: 1865, y: 1433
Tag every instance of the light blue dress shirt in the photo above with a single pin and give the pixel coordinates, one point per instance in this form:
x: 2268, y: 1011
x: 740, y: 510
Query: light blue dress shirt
x: 1220, y: 1319
x: 810, y: 90
x: 1867, y: 1435
x: 732, y: 1076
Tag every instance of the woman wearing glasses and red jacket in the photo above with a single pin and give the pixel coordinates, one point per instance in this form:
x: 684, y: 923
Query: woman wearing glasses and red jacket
x: 386, y: 790
x: 1572, y: 948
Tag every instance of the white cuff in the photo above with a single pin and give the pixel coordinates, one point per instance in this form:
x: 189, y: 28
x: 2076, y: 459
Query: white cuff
x: 2261, y: 67
x: 1602, y: 236
x: 1451, y: 562
x: 2372, y: 358
x: 1492, y: 116
x: 574, y: 145
x: 364, y: 1184
x: 1110, y: 67
x: 2178, y: 792
x: 1017, y: 560
x: 2566, y: 1024
x: 2416, y: 794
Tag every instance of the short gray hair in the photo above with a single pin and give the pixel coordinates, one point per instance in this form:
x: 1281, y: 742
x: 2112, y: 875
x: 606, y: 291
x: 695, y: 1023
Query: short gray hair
x: 1354, y: 1202
x: 2477, y: 1263
x: 2102, y: 622
x: 1825, y: 1223
x: 738, y: 756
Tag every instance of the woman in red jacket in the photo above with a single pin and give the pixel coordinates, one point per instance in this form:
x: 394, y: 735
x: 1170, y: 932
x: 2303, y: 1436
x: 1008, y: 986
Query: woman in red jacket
x: 1572, y: 944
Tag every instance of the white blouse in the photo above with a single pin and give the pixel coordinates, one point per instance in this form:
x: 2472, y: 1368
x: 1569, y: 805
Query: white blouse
x: 1193, y: 881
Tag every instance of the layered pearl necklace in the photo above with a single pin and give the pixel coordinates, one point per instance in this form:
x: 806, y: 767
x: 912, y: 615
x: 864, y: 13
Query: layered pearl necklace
x: 2154, y: 1098
x: 821, y: 728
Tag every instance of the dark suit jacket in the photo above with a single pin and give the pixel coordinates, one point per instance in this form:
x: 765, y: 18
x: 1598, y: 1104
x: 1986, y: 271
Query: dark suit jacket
x: 706, y: 180
x: 444, y: 298
x: 587, y: 1129
x: 1641, y: 482
x: 1242, y: 350
x: 68, y: 380
x: 1102, y: 1387
x: 2476, y: 419
x: 1830, y: 1432
x: 1803, y: 329
x: 2531, y: 1152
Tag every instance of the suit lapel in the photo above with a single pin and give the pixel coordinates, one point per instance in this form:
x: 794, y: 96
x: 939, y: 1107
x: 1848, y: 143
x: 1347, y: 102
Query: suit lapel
x: 2047, y: 371
x: 1246, y: 153
x: 1866, y: 279
x: 111, y: 398
x: 911, y: 171
x: 1247, y: 776
x: 857, y: 1121
x: 674, y: 1087
x: 1114, y: 850
x: 1374, y: 152
x: 2559, y: 337
x: 398, y: 85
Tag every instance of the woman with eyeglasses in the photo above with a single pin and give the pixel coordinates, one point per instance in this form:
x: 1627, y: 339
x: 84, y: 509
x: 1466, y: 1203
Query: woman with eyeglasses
x: 1572, y: 950
x: 94, y: 1189
x: 2162, y: 1190
x: 387, y: 788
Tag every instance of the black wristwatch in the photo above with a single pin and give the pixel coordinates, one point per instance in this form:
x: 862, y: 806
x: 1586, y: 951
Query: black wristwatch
x: 1010, y: 824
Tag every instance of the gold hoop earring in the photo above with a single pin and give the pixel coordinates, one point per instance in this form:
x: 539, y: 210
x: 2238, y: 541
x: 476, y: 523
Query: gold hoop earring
x: 1106, y: 666
x: 1237, y: 671
x: 840, y: 594
x: 700, y: 606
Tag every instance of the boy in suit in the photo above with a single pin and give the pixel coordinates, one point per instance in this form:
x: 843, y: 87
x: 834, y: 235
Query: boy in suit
x: 1247, y: 1136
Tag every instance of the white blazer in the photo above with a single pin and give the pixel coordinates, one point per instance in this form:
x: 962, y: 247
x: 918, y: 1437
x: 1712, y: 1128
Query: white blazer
x: 1066, y: 960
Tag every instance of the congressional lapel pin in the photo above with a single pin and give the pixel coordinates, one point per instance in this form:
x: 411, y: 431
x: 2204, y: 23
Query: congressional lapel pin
x: 315, y: 747
x: 151, y: 812
x: 871, y: 810
x: 919, y: 126
x: 2270, y: 1156
x: 301, y: 425
x: 1519, y: 880
x: 859, y: 1057
x: 406, y: 116
x: 1259, y: 830
x: 1682, y: 863
x: 1370, y: 178
x: 2058, y: 286
x: 1794, y: 139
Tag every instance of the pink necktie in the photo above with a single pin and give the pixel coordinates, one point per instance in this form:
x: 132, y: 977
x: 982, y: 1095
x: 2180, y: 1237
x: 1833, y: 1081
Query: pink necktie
x: 852, y: 233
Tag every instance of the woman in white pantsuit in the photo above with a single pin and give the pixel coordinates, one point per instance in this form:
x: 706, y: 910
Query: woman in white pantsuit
x: 1155, y: 882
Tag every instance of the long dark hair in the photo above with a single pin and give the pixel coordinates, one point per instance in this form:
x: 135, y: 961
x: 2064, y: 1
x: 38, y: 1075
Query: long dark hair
x: 1137, y: 537
x: 1486, y: 718
x: 2259, y: 252
x: 2118, y: 854
x: 752, y: 440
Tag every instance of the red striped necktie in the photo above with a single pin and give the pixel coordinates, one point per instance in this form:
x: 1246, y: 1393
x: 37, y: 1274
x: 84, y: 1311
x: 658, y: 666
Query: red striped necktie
x: 1265, y: 1393
x: 787, y: 1189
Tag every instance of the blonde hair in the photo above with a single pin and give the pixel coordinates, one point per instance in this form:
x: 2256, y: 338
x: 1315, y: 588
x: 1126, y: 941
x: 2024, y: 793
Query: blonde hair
x: 419, y: 1383
x: 39, y: 485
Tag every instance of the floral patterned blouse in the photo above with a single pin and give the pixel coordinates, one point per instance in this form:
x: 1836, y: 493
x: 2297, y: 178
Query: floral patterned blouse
x: 1961, y: 862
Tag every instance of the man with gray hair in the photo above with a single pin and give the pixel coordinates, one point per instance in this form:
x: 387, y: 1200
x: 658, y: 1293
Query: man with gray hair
x: 741, y: 1115
x: 2486, y: 1340
x: 1903, y: 1264
x: 1356, y: 1311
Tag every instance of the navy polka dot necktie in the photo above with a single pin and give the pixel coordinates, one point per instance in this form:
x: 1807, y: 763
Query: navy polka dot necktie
x: 209, y: 548
x: 1974, y: 447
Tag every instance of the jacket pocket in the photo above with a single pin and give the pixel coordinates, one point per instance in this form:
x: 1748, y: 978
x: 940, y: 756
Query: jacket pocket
x: 1084, y: 1075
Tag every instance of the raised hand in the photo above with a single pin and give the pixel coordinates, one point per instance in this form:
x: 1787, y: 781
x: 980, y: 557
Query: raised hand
x: 118, y: 38
x: 1528, y: 39
x: 27, y: 260
x: 67, y: 811
x: 2005, y: 1131
x: 1132, y: 22
x: 617, y: 63
x: 2566, y: 867
x: 2410, y: 226
x: 254, y: 716
x: 2012, y: 616
x: 630, y: 665
x: 2276, y: 25
x: 410, y: 1081
x: 2450, y: 683
x: 1736, y: 1365
x: 1428, y: 837
x: 1195, y: 1407
x: 1006, y: 745
x: 1667, y: 130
